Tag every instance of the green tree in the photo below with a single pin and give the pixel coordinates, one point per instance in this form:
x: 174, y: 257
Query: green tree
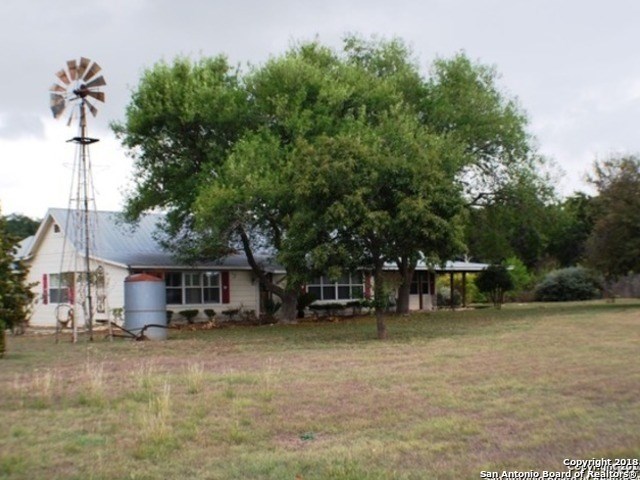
x: 571, y: 223
x: 15, y: 293
x: 21, y: 226
x: 513, y: 222
x: 495, y: 281
x: 256, y: 191
x: 179, y: 126
x: 613, y: 247
x: 374, y: 193
x: 298, y: 97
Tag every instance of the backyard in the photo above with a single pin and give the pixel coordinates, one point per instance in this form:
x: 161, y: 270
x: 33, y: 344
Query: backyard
x: 448, y: 396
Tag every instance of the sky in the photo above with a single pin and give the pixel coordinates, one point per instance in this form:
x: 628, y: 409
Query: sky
x: 572, y: 64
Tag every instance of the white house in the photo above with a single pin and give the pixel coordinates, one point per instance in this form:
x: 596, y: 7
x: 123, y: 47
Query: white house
x: 56, y: 257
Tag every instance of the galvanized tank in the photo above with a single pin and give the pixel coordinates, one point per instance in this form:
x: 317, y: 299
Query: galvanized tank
x: 145, y: 303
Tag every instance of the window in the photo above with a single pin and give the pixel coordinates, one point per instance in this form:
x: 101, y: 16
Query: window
x: 347, y: 287
x: 192, y: 287
x: 173, y: 282
x: 422, y: 277
x: 61, y: 287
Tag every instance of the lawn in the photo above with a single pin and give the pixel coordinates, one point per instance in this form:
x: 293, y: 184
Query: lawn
x: 449, y: 395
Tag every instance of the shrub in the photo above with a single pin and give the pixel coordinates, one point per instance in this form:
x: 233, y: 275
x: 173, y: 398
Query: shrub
x: 567, y: 284
x: 304, y: 300
x: 210, y: 313
x: 495, y: 281
x: 271, y: 307
x: 443, y: 298
x: 473, y: 294
x: 189, y: 314
x: 523, y: 281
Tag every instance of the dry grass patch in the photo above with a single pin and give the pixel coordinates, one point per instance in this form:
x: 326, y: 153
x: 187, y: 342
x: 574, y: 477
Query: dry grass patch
x: 451, y: 393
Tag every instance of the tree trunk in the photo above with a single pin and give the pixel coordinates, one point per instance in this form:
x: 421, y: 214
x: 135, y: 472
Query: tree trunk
x: 406, y: 270
x: 3, y: 339
x: 288, y: 312
x: 380, y: 302
x: 288, y: 296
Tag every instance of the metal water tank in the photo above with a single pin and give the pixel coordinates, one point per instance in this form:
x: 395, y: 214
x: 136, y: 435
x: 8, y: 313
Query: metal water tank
x: 145, y: 303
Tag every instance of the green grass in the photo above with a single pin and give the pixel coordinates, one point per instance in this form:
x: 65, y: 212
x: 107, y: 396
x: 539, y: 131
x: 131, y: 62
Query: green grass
x: 448, y: 395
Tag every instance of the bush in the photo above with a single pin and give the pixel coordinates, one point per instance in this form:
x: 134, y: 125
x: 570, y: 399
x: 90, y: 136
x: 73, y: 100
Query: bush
x: 567, y: 284
x: 189, y: 314
x: 443, y: 298
x: 495, y: 281
x: 271, y: 307
x: 304, y: 300
x: 523, y: 281
x: 210, y: 313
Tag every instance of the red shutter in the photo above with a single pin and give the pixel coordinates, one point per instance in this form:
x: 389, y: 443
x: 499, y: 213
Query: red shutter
x: 367, y: 286
x: 226, y: 290
x: 45, y: 289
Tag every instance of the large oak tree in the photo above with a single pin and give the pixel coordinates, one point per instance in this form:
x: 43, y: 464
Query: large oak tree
x: 321, y: 158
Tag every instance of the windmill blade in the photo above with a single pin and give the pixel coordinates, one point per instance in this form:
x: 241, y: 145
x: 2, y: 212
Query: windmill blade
x: 97, y: 95
x: 92, y: 109
x: 84, y: 63
x: 62, y: 75
x: 95, y: 68
x: 57, y: 104
x: 57, y: 110
x: 57, y: 88
x: 71, y: 116
x: 73, y: 69
x: 98, y: 82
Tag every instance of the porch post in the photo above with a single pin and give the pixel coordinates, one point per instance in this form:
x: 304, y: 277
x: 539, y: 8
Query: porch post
x: 464, y: 289
x: 451, y: 292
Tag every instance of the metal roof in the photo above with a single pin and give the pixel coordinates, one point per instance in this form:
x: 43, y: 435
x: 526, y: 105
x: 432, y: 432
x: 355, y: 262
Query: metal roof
x: 137, y: 246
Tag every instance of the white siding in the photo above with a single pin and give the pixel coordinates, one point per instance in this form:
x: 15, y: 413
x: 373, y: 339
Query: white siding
x: 48, y: 259
x: 244, y: 295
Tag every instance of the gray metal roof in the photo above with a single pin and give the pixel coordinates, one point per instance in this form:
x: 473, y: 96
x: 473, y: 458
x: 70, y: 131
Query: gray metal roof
x: 456, y: 266
x: 134, y: 246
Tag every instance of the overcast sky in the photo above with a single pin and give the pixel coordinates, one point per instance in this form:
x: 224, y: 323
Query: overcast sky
x: 573, y: 65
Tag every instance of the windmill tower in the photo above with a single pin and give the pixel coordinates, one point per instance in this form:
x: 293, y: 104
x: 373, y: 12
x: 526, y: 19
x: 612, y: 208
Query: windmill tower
x: 77, y: 87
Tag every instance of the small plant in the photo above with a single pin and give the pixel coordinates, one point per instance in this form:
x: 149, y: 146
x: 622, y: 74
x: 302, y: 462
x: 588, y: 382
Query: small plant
x: 189, y: 315
x: 43, y: 383
x: 94, y: 376
x: 155, y: 427
x: 307, y: 436
x: 443, y: 298
x: 145, y: 376
x: 231, y: 313
x: 195, y: 378
x: 271, y: 307
x: 210, y: 313
x: 169, y: 316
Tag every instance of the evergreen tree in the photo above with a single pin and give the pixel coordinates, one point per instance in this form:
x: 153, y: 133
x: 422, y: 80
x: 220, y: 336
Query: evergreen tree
x: 15, y: 293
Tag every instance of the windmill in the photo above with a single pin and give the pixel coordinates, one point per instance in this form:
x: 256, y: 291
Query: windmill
x: 76, y: 91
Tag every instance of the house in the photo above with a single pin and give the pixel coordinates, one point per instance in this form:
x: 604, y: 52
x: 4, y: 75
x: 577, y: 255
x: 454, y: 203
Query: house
x: 56, y: 257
